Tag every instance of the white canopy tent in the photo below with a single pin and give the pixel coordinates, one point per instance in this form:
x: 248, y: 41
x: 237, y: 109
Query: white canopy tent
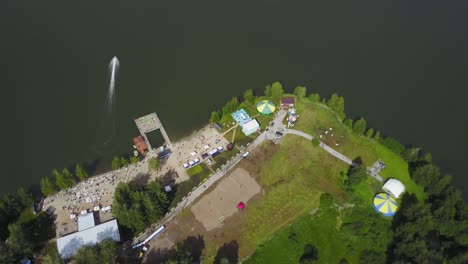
x: 394, y: 187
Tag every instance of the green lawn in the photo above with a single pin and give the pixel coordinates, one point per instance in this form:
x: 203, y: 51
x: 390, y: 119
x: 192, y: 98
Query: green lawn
x: 195, y: 170
x: 292, y: 189
x: 336, y: 234
x: 222, y: 158
x: 315, y: 118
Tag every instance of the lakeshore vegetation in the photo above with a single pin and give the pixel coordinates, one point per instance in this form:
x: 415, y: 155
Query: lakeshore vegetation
x: 318, y: 209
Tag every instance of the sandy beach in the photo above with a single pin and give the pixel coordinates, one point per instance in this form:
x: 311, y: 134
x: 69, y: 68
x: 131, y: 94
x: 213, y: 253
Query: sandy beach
x: 98, y: 191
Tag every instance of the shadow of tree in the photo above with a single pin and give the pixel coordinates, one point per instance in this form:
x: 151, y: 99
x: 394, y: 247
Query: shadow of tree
x: 229, y: 251
x: 188, y: 251
x: 310, y: 254
x: 141, y: 179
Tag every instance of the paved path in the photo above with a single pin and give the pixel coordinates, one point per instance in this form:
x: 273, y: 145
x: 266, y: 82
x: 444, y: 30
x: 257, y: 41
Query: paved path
x: 322, y: 145
x: 331, y: 151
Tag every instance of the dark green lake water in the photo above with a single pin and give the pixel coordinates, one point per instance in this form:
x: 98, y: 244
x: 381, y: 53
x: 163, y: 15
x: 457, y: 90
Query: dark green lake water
x: 402, y: 65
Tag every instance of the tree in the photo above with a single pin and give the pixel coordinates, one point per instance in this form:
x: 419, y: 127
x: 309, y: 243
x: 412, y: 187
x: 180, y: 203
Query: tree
x: 276, y: 91
x: 134, y: 160
x: 377, y: 136
x: 314, y: 98
x: 310, y: 255
x: 371, y: 256
x: 25, y: 198
x: 356, y: 174
x: 123, y: 162
x: 267, y: 92
x: 6, y: 254
x: 426, y: 175
x: 393, y: 145
x: 300, y: 91
x: 230, y: 106
x: 359, y: 127
x: 348, y: 123
x: 116, y: 163
x: 249, y: 96
x: 63, y: 179
x: 214, y: 117
x: 108, y: 251
x: 47, y: 187
x: 80, y: 172
x: 52, y: 258
x: 336, y: 103
x: 87, y: 255
x: 154, y: 164
x: 315, y: 142
x: 370, y: 133
x: 18, y: 240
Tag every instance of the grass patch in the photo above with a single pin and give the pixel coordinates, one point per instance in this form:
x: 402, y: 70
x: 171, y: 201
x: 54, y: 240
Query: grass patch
x: 293, y: 180
x: 315, y: 118
x: 26, y: 215
x: 222, y: 158
x: 194, y: 170
x: 335, y: 233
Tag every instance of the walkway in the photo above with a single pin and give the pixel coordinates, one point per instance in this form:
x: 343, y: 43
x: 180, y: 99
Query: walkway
x: 331, y: 151
x: 322, y: 145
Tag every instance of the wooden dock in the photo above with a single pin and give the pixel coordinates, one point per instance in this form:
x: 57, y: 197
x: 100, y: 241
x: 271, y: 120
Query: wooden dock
x: 149, y: 123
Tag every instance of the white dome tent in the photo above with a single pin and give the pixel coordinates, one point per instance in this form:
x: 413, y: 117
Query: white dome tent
x: 394, y: 187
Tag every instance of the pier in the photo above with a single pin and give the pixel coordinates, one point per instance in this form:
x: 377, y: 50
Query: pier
x: 149, y: 123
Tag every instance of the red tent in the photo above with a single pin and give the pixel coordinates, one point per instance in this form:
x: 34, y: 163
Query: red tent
x: 241, y: 205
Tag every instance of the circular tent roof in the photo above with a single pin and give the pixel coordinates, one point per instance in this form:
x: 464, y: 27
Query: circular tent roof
x: 265, y: 107
x: 241, y: 205
x: 385, y: 204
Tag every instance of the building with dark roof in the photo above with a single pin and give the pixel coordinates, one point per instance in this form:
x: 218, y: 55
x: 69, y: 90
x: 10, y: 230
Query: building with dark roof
x: 287, y: 102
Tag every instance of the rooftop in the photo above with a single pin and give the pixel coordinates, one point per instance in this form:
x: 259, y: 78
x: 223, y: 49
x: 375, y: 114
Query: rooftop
x: 86, y: 221
x: 241, y: 117
x: 287, y: 100
x: 68, y: 245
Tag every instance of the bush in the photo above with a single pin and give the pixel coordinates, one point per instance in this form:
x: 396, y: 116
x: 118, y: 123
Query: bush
x: 393, y: 145
x: 314, y: 98
x: 359, y: 127
x: 315, y: 142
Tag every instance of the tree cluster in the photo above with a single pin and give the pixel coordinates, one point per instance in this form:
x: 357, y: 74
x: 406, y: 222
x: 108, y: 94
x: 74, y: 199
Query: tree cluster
x: 336, y: 103
x: 62, y: 180
x: 356, y: 174
x: 105, y: 252
x: 21, y: 236
x: 154, y: 164
x: 136, y: 207
x: 119, y: 162
x: 434, y: 230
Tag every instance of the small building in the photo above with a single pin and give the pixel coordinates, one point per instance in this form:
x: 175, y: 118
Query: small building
x: 287, y: 102
x: 217, y: 126
x: 250, y: 127
x: 241, y: 117
x: 140, y: 144
x: 88, y: 234
x: 164, y: 154
x: 394, y: 187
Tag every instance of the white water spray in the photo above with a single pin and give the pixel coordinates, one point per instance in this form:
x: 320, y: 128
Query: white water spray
x: 113, y: 68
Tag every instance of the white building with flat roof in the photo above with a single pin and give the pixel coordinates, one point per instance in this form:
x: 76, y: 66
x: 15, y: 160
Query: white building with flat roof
x: 250, y: 127
x: 88, y: 234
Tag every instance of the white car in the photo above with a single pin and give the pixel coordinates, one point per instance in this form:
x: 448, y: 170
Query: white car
x: 186, y: 165
x: 206, y: 146
x: 220, y: 148
x: 191, y: 162
x: 193, y: 153
x: 196, y: 160
x: 245, y: 155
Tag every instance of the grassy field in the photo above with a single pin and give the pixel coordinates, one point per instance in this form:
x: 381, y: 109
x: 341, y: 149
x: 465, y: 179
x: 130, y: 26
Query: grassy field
x: 315, y: 118
x: 222, y: 158
x: 194, y: 170
x: 292, y: 189
x: 326, y: 230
